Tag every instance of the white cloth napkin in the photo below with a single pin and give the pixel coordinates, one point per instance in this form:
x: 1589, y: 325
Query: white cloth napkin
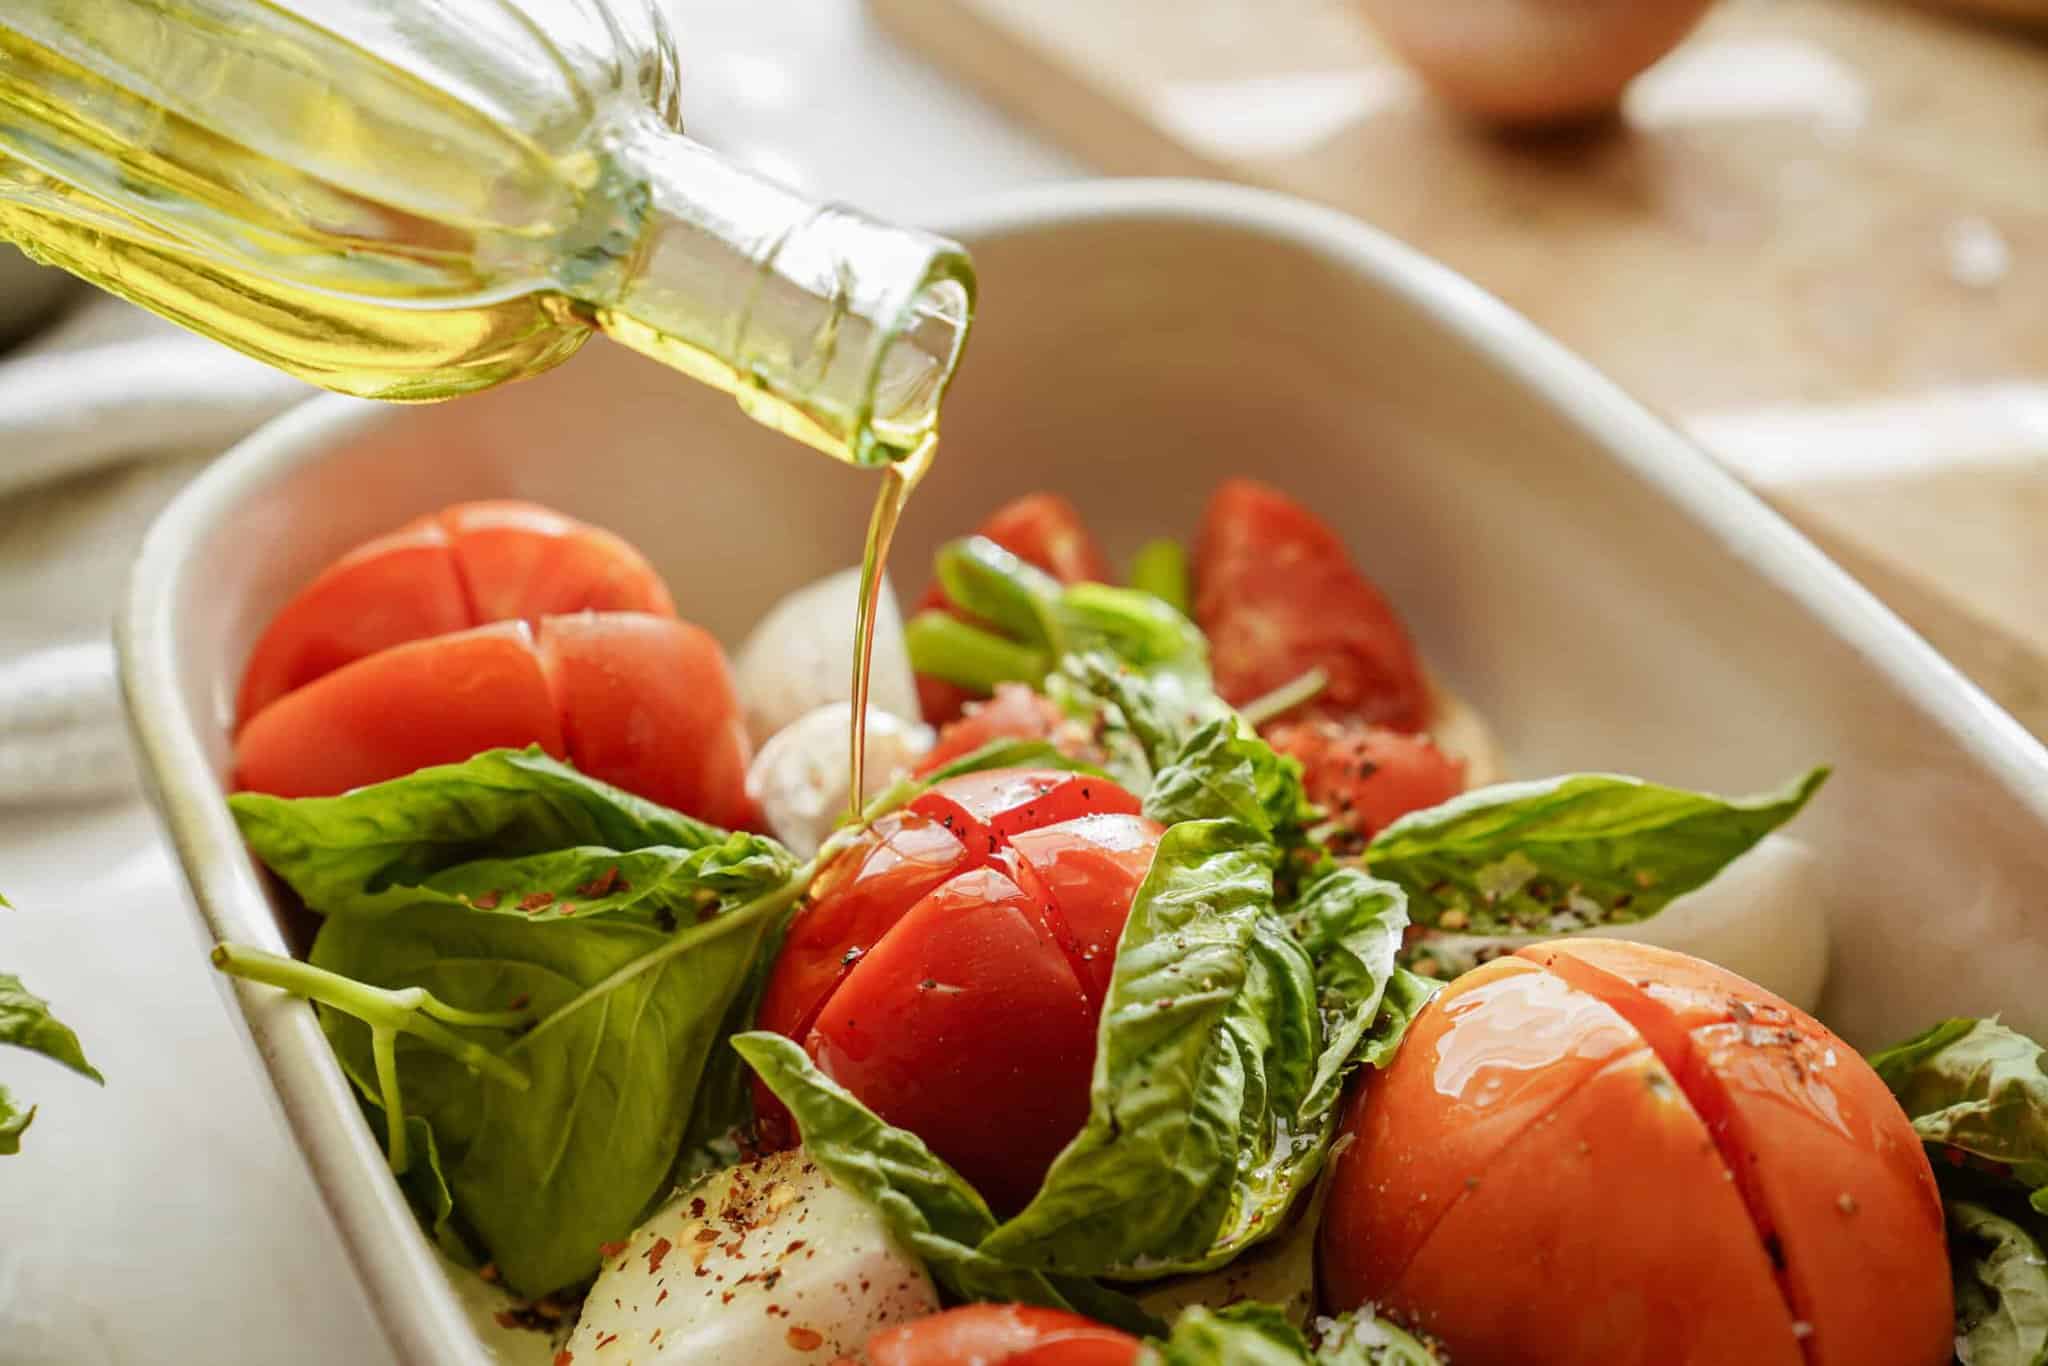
x: 103, y: 416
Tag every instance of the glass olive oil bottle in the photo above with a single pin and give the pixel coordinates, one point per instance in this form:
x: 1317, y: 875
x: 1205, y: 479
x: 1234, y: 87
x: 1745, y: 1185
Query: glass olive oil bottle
x: 415, y: 199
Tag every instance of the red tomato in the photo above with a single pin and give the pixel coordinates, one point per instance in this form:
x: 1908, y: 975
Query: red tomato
x: 1003, y: 1335
x: 1277, y: 594
x: 648, y: 704
x: 643, y: 702
x: 467, y: 565
x: 1654, y: 1160
x: 949, y: 968
x: 1043, y: 529
x: 1365, y: 777
x: 1014, y: 713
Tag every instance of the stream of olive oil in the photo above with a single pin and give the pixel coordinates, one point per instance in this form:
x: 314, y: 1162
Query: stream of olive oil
x: 899, y: 481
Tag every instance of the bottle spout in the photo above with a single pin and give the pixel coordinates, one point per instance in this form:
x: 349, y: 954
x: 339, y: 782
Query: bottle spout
x: 825, y: 324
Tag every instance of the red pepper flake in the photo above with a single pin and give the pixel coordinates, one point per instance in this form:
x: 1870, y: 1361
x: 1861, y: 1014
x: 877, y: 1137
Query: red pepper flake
x: 536, y: 901
x: 565, y: 1357
x: 607, y: 1340
x: 568, y: 908
x: 610, y: 1249
x: 656, y: 1253
x: 488, y: 1273
x: 507, y: 1319
x: 488, y: 901
x: 602, y: 884
x: 519, y: 1002
x: 804, y: 1339
x: 659, y: 1298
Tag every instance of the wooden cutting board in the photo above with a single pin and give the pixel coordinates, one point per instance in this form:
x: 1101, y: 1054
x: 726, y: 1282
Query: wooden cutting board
x: 1817, y: 239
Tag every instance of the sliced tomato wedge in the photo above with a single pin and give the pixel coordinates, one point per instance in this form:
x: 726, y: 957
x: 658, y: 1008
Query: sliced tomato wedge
x: 1003, y: 1335
x: 435, y: 701
x: 1277, y: 594
x: 949, y: 968
x: 467, y: 565
x: 1042, y: 529
x: 645, y: 703
x: 1366, y: 777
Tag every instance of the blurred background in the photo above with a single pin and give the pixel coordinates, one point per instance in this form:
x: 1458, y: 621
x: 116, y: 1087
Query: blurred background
x: 1814, y: 233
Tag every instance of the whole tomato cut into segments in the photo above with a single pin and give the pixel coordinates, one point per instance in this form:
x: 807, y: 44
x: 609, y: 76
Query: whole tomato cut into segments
x: 467, y: 565
x: 1653, y: 1160
x: 949, y: 967
x: 1003, y: 1335
x: 1042, y: 529
x: 1367, y: 777
x: 1277, y: 594
x: 642, y: 702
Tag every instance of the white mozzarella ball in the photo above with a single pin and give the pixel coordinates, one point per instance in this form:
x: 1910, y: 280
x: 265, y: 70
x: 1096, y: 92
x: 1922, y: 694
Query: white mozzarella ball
x: 766, y: 1263
x: 800, y: 656
x: 802, y: 776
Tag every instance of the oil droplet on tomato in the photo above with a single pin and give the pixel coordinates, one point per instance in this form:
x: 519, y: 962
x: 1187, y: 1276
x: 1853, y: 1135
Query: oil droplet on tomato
x: 1504, y: 1035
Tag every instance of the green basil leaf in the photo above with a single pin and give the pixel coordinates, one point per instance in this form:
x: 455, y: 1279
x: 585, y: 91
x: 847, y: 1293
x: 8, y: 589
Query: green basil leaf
x: 1161, y: 568
x: 1351, y: 926
x: 663, y: 883
x: 425, y: 1184
x: 1223, y: 772
x: 1135, y: 627
x: 723, y: 1109
x: 1203, y: 995
x: 1565, y: 853
x: 14, y: 1122
x: 373, y: 849
x: 2001, y: 1287
x: 627, y: 1021
x: 988, y: 582
x: 925, y: 1203
x: 1260, y: 1335
x: 1980, y: 1089
x: 26, y: 1022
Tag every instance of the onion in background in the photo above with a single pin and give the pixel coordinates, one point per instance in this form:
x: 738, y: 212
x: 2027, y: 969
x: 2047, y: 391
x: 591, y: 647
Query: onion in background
x: 1531, y: 61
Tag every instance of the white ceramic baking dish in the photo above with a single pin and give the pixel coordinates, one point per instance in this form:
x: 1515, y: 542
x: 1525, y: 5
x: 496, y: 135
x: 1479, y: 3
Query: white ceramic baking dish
x: 1585, y: 576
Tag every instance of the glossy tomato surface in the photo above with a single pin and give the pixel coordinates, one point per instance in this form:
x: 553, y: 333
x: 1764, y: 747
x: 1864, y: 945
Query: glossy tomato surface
x: 1042, y: 529
x: 1015, y: 712
x: 1277, y: 594
x: 1605, y: 1152
x: 467, y: 565
x: 949, y: 967
x: 643, y: 702
x: 1367, y: 777
x: 1003, y: 1335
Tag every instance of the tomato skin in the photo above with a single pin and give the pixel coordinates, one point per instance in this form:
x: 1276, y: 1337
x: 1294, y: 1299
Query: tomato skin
x: 648, y: 704
x: 1042, y: 529
x: 433, y: 701
x: 1366, y: 777
x: 1580, y: 1121
x: 468, y: 565
x: 949, y: 967
x: 1003, y: 1335
x: 1277, y: 594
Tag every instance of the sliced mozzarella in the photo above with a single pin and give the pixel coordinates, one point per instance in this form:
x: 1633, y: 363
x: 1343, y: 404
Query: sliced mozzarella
x: 800, y: 656
x: 1463, y: 733
x: 1764, y: 917
x: 802, y: 775
x: 765, y: 1263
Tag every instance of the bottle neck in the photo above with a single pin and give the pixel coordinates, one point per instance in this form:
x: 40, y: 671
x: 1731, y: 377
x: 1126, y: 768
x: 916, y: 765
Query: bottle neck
x: 826, y: 325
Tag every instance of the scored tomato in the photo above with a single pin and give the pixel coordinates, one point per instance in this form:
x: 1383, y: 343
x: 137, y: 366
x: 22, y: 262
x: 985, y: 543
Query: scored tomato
x: 1042, y: 529
x: 949, y: 967
x: 1277, y: 594
x: 1366, y: 777
x: 643, y: 702
x: 467, y: 565
x: 1003, y: 1335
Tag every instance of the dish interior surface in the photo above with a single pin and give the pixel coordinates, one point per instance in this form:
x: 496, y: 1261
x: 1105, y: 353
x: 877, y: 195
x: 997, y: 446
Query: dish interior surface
x: 1604, y: 597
